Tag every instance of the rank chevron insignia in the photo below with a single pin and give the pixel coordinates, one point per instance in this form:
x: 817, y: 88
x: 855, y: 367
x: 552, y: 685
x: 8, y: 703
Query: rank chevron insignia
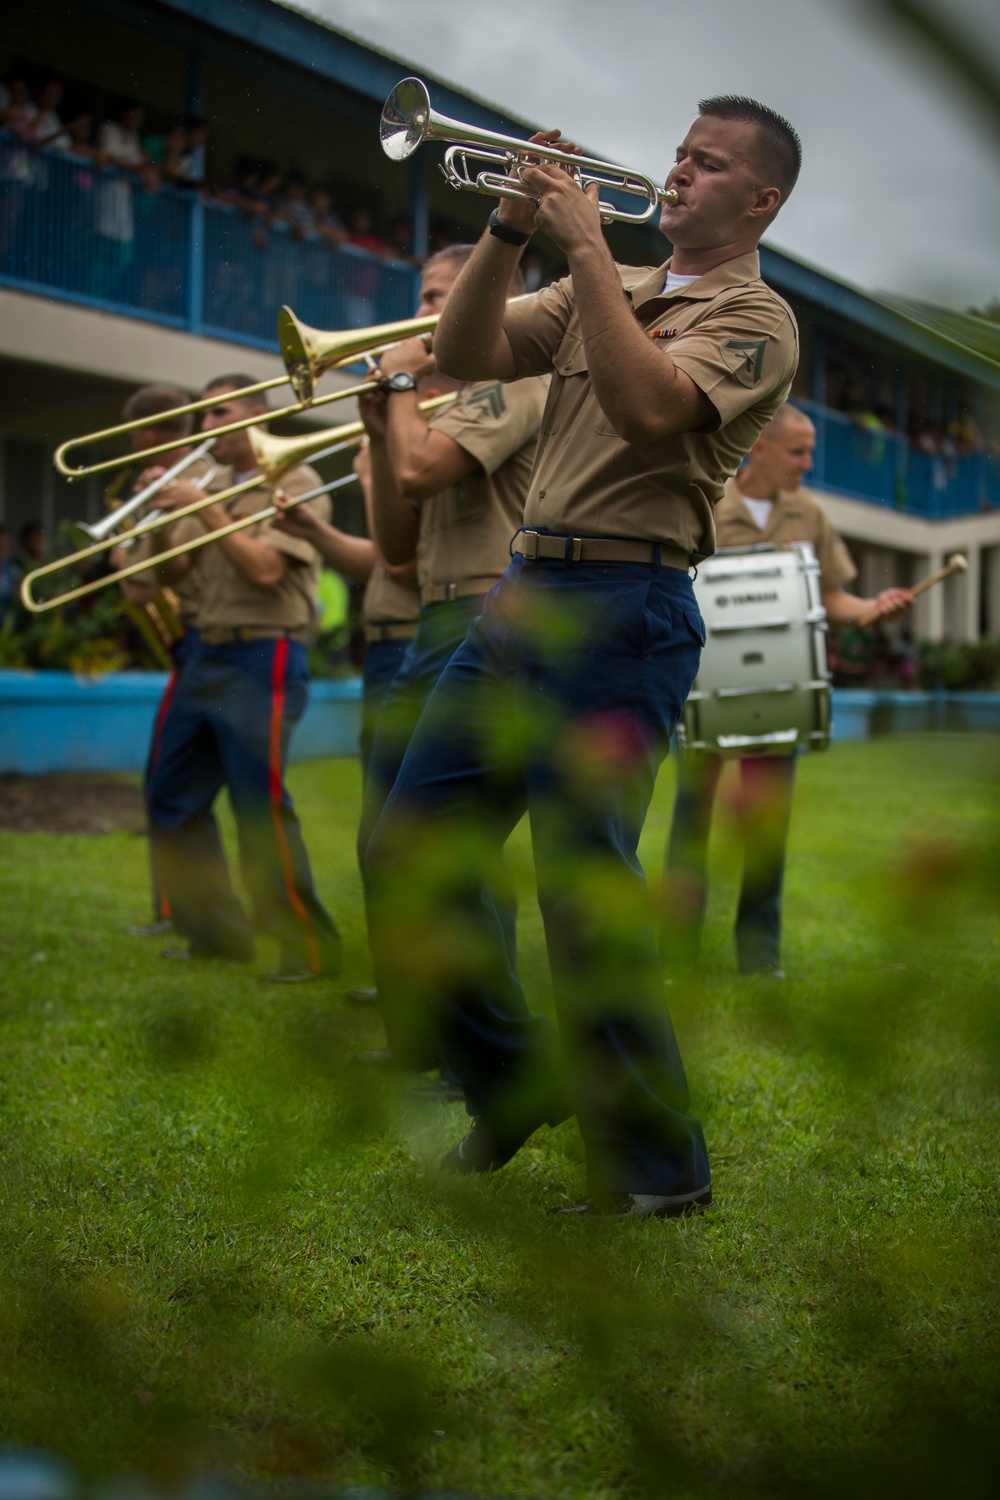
x: 753, y: 353
x: 491, y: 397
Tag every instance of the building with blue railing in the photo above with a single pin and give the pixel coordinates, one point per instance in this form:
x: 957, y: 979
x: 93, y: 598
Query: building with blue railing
x: 106, y: 283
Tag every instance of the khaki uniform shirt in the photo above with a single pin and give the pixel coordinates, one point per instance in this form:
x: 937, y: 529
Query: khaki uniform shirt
x: 229, y: 601
x: 387, y: 601
x: 465, y: 530
x: 728, y: 331
x: 796, y: 516
x: 186, y: 589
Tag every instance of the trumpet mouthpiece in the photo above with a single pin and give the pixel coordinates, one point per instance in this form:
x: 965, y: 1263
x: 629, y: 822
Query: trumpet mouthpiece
x: 670, y: 198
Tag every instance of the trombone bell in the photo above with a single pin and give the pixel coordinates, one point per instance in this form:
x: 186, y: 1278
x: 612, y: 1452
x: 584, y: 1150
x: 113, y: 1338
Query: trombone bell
x: 309, y: 352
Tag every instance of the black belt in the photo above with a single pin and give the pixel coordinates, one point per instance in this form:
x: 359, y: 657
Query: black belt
x: 250, y: 633
x: 390, y: 630
x: 462, y: 588
x: 542, y: 544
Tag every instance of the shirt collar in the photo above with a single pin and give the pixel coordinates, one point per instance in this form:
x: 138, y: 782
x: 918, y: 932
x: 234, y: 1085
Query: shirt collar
x: 643, y: 285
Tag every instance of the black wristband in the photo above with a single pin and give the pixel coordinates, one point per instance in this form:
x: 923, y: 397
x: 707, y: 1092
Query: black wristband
x: 504, y: 231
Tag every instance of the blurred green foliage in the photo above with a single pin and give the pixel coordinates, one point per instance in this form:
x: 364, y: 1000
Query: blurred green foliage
x: 224, y: 1245
x: 967, y: 666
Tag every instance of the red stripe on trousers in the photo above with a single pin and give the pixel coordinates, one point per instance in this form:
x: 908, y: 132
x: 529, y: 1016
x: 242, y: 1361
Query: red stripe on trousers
x: 165, y: 909
x: 278, y: 668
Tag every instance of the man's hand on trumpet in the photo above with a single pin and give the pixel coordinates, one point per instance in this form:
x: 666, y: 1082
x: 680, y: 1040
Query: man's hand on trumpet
x: 568, y: 213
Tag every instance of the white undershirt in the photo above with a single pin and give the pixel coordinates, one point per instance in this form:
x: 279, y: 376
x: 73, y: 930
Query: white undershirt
x: 760, y: 510
x: 673, y: 282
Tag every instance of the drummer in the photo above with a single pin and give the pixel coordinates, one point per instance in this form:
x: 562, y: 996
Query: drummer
x: 763, y: 504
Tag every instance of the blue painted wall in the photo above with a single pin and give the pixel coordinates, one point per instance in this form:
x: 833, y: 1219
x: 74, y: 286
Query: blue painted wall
x: 53, y: 721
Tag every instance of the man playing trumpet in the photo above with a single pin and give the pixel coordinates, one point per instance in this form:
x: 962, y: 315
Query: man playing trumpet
x: 563, y: 697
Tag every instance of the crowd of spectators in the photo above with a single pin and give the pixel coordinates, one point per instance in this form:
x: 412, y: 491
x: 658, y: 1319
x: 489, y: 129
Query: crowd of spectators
x: 941, y: 440
x: 272, y: 199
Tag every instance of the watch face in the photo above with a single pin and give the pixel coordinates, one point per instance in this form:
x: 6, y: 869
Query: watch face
x: 401, y: 381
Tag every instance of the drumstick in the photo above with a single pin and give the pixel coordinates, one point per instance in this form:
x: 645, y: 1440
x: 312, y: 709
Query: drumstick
x: 955, y: 564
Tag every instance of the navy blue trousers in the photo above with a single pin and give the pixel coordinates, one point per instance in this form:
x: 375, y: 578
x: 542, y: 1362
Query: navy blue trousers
x: 181, y: 653
x: 765, y: 808
x: 441, y: 630
x: 561, y: 701
x: 383, y: 660
x: 229, y: 722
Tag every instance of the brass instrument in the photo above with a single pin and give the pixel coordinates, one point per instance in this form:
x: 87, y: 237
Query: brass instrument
x: 274, y: 455
x: 308, y: 354
x: 408, y: 121
x: 110, y: 523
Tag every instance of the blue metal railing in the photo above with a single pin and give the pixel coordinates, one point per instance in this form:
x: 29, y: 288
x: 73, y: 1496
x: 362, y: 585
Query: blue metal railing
x: 97, y: 236
x: 884, y: 469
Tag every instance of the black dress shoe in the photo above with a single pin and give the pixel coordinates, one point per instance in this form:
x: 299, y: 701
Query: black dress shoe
x: 639, y: 1206
x: 150, y: 929
x: 484, y: 1149
x: 363, y: 995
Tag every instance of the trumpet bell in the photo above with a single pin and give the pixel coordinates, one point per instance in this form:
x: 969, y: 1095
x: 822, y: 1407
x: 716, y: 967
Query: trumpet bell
x: 309, y: 352
x: 406, y: 119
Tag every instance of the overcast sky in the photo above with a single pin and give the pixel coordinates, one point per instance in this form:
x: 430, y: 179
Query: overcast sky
x: 900, y: 186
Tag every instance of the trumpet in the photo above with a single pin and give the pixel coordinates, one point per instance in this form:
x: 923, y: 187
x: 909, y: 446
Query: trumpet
x: 408, y: 121
x: 115, y: 520
x: 308, y: 353
x: 274, y: 455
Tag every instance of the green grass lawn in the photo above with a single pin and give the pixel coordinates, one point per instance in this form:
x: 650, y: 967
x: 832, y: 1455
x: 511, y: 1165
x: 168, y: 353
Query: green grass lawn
x: 226, y: 1246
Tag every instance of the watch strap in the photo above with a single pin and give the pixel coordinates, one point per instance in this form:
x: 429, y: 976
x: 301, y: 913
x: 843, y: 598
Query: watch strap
x: 504, y: 232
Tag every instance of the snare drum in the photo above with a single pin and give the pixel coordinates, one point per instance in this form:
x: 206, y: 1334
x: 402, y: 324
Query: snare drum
x: 763, y: 686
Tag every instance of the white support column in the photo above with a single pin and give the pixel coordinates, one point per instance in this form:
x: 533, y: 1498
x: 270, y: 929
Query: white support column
x: 991, y: 567
x: 929, y: 621
x: 971, y: 580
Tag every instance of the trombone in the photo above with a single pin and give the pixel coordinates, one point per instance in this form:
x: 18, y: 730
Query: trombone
x: 274, y: 455
x: 408, y: 121
x: 308, y: 353
x: 113, y: 521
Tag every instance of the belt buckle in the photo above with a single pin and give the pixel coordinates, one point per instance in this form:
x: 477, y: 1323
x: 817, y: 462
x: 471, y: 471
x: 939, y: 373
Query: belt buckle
x: 529, y: 545
x: 575, y: 548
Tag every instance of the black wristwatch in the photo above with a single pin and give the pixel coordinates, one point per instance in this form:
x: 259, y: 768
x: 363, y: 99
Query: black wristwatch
x: 400, y: 380
x: 504, y: 231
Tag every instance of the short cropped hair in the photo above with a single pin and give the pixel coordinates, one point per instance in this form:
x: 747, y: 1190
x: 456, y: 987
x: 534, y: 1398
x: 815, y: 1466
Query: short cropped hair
x: 152, y: 401
x: 459, y: 254
x: 237, y: 383
x: 780, y: 149
x: 787, y: 415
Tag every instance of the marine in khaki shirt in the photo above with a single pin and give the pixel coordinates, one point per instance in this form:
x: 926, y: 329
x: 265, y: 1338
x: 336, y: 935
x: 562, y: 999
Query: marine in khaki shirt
x: 794, y: 516
x: 727, y: 330
x: 387, y: 601
x: 466, y: 529
x: 770, y: 481
x: 229, y: 600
